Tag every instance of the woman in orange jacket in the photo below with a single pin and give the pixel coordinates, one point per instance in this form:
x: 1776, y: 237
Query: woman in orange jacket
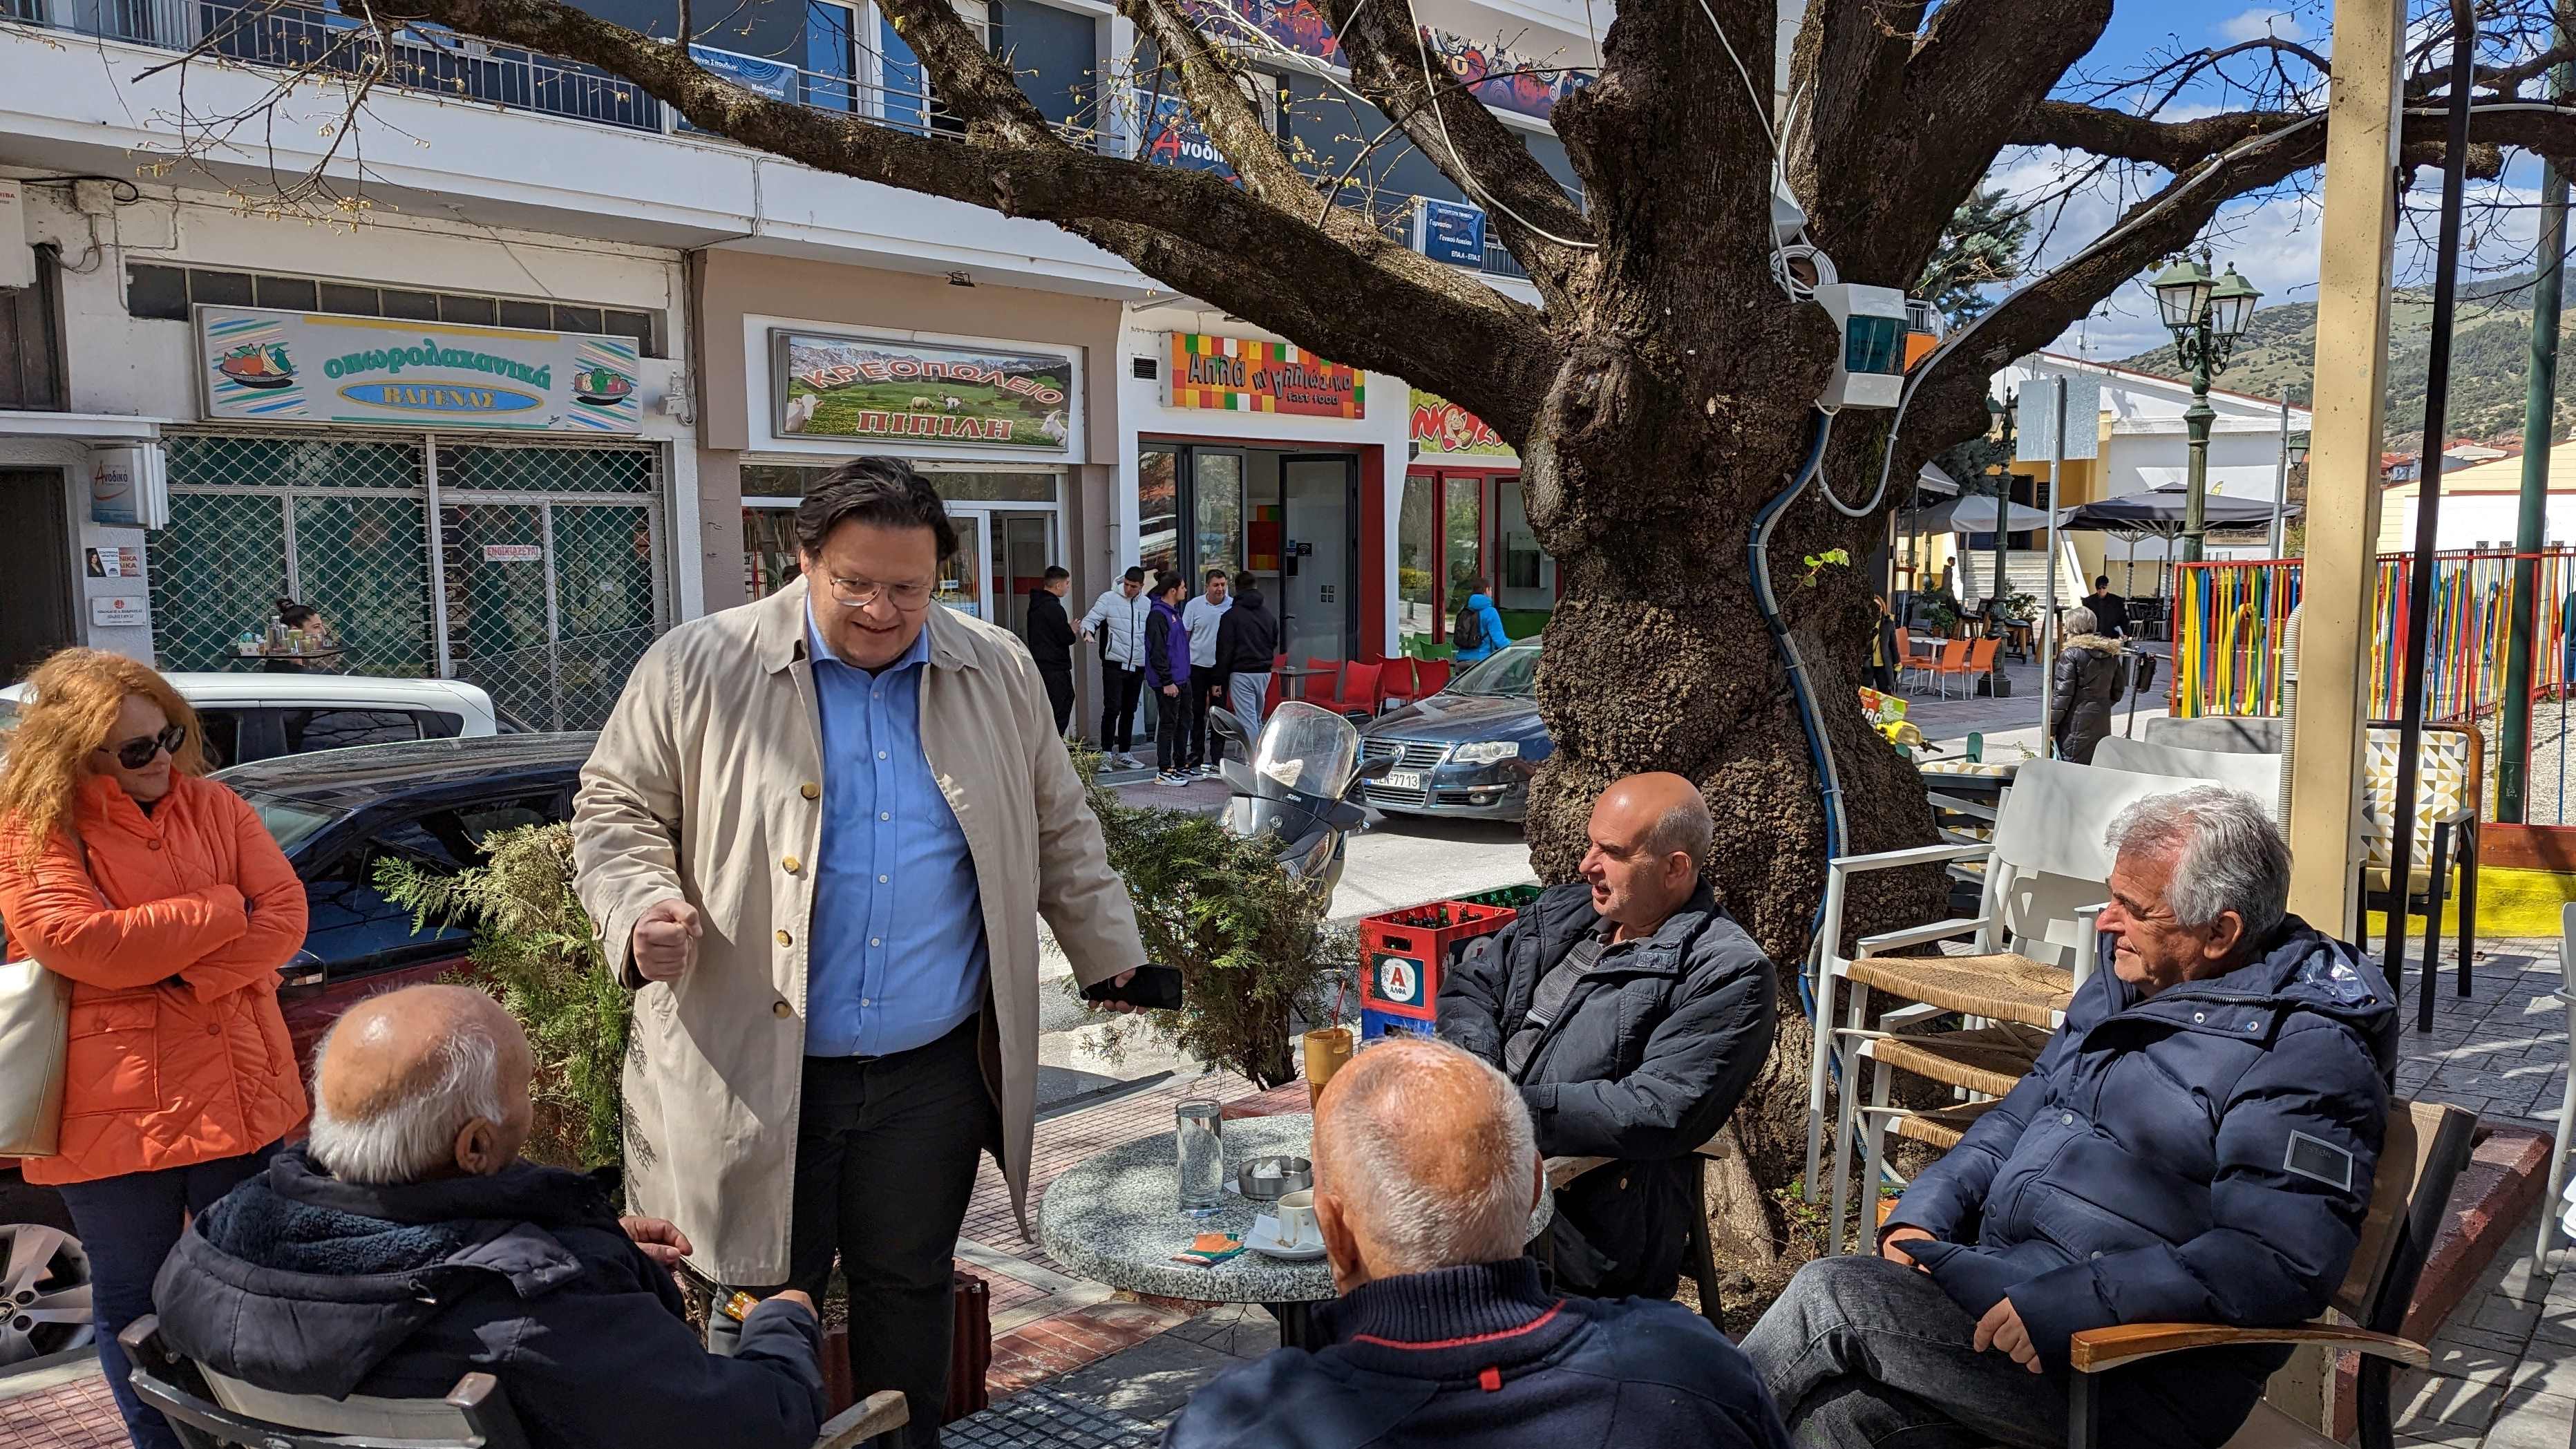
x: 170, y: 908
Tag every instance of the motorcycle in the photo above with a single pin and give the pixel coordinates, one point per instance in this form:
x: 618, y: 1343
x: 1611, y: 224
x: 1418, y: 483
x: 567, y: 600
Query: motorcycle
x: 1298, y: 785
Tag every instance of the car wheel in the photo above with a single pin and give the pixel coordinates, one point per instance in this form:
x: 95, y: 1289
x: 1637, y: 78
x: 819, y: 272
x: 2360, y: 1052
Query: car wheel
x: 44, y: 1293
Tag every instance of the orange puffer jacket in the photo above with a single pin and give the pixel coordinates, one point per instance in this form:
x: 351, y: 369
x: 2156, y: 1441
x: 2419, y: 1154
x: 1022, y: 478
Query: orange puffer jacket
x: 172, y: 938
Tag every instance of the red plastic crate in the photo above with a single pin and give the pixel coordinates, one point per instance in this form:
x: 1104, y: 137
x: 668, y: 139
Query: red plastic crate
x: 1404, y: 954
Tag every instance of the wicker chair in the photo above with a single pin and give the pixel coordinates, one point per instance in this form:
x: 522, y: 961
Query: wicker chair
x: 2042, y: 876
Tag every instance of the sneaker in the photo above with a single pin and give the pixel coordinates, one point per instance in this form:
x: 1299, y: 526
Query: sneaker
x: 1130, y: 762
x: 1211, y: 771
x: 1172, y: 777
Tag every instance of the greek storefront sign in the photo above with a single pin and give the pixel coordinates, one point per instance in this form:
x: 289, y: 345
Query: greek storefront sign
x: 1442, y: 429
x: 869, y: 387
x: 289, y: 367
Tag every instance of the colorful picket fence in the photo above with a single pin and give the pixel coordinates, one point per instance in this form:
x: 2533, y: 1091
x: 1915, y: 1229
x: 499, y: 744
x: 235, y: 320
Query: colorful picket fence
x: 2229, y: 618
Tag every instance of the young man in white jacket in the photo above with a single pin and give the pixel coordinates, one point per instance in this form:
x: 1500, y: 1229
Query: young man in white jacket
x: 1121, y: 611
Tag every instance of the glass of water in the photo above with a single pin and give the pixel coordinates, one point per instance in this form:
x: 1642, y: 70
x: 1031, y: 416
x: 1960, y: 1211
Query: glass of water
x: 1200, y: 1136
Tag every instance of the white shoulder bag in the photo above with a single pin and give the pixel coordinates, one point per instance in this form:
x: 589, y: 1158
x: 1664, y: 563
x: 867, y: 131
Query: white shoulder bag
x: 35, y: 1018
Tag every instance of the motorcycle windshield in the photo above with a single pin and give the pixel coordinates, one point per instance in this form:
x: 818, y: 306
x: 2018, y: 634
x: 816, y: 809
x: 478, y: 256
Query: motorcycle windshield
x: 1305, y: 750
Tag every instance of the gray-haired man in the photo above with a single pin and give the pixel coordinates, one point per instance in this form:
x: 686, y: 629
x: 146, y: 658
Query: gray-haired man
x: 1426, y: 1171
x: 406, y: 1245
x: 2196, y: 1145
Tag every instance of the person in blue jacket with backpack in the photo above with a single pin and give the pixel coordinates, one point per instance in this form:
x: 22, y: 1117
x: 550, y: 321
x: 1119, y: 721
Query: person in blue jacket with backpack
x: 1478, y: 630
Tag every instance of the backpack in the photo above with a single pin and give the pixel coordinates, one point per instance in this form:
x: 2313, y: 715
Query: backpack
x: 1469, y: 632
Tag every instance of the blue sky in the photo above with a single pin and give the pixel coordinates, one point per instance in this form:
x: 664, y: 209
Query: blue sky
x: 2273, y: 240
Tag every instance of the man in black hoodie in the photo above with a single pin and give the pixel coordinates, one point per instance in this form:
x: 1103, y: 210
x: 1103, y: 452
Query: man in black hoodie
x: 1051, y: 639
x: 406, y: 1245
x: 1247, y: 644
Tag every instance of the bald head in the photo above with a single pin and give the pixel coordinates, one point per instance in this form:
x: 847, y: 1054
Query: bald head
x: 425, y: 1082
x: 1650, y: 838
x: 1424, y: 1158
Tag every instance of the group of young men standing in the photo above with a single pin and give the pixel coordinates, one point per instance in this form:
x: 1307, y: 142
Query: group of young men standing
x: 1189, y: 653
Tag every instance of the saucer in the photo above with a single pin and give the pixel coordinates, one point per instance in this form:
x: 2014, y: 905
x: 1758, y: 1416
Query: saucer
x: 1264, y: 1239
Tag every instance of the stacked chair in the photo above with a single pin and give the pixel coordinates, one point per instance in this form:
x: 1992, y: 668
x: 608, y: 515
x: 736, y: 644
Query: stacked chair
x: 2042, y: 878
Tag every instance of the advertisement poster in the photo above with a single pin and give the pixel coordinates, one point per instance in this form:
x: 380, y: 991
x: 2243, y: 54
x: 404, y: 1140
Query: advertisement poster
x: 1503, y: 78
x: 772, y: 78
x: 288, y: 367
x: 868, y: 387
x: 1172, y: 137
x: 1238, y: 374
x: 1442, y: 429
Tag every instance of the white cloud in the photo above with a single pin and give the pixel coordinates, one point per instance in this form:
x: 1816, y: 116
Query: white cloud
x: 2258, y: 22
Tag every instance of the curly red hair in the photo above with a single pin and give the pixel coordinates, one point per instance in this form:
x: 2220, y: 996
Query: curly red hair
x: 70, y: 708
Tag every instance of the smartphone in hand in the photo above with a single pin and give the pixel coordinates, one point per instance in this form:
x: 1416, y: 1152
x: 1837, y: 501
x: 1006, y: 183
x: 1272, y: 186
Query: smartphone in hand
x: 1154, y: 988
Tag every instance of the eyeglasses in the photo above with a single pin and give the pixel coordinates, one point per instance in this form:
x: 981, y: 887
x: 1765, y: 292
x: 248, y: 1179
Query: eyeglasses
x: 138, y: 752
x: 910, y: 598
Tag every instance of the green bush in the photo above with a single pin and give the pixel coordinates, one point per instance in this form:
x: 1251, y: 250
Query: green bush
x: 535, y: 951
x: 1255, y: 955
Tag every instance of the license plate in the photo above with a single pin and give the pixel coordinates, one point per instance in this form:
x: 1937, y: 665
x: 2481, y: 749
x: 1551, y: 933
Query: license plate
x: 1403, y: 780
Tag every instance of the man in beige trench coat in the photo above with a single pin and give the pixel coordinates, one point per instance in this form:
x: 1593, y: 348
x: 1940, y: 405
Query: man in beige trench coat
x: 817, y: 835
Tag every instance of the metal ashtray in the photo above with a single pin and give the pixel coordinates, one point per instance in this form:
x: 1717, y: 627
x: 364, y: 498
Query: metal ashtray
x: 1295, y: 1174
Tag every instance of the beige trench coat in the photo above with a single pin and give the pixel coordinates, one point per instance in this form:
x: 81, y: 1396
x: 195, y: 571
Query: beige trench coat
x: 706, y: 785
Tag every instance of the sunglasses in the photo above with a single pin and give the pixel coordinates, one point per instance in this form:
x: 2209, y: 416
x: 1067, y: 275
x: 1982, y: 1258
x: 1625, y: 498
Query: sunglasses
x: 138, y: 752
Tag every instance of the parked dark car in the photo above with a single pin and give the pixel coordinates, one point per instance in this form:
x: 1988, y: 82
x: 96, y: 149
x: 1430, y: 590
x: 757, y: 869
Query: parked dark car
x: 336, y: 813
x: 1468, y: 750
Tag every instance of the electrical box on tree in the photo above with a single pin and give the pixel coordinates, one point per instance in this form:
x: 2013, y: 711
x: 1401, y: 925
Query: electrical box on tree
x: 1870, y: 372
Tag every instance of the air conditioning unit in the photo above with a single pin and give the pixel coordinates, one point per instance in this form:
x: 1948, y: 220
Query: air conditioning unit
x: 17, y: 258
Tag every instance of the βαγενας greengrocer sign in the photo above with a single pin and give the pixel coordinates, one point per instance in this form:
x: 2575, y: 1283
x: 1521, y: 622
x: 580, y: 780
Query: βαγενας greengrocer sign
x: 872, y: 387
x: 292, y: 367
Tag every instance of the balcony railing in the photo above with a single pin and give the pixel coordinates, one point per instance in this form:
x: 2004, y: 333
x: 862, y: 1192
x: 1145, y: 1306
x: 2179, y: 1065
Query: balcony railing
x: 438, y: 62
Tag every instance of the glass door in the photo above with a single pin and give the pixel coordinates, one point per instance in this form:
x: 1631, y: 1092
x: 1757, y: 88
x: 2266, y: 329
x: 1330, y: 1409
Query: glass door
x: 1319, y: 603
x: 1024, y: 548
x: 963, y: 584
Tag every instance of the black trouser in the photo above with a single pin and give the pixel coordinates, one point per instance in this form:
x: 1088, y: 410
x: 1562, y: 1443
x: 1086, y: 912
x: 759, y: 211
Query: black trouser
x: 1119, y: 688
x: 1206, y: 688
x: 1171, y: 735
x: 886, y: 1151
x: 1059, y: 687
x: 1882, y: 678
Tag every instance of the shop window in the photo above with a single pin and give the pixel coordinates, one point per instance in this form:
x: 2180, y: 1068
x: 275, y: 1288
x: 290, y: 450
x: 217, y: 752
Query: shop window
x: 1465, y: 529
x: 1158, y: 516
x: 287, y: 294
x: 768, y: 550
x: 31, y: 351
x: 1217, y: 502
x: 166, y: 293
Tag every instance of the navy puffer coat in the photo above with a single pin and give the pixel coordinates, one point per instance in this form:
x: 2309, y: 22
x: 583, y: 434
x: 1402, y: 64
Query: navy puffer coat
x: 2201, y: 1156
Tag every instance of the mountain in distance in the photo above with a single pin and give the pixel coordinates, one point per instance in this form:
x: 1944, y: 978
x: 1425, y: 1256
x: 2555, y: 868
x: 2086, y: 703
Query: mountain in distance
x: 2490, y: 357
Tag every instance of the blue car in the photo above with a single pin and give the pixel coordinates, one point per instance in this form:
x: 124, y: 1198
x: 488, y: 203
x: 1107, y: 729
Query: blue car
x: 1467, y: 751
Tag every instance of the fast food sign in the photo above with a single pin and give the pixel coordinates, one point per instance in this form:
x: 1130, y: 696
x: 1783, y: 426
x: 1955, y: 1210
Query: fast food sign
x: 1442, y: 429
x: 1244, y: 375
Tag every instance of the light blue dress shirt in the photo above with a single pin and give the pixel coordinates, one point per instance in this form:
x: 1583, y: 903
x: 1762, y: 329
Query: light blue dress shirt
x: 879, y: 979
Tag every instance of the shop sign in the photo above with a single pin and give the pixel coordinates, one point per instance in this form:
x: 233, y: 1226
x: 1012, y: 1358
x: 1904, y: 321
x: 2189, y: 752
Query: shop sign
x: 1174, y: 137
x: 1449, y: 231
x: 288, y: 367
x: 868, y: 387
x: 1239, y: 374
x: 513, y: 553
x: 120, y: 611
x: 773, y: 79
x: 1442, y: 429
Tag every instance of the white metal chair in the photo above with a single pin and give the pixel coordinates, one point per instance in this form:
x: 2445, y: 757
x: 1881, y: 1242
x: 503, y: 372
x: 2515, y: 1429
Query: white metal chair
x: 2550, y: 1203
x: 2255, y: 775
x: 2043, y: 879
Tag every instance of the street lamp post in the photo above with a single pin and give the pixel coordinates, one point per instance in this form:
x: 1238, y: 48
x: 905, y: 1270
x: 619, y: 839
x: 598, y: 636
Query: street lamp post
x: 2002, y: 413
x: 2206, y: 317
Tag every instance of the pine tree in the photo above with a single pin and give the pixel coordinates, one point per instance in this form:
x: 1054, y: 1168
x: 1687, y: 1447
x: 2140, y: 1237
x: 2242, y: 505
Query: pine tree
x: 1982, y: 245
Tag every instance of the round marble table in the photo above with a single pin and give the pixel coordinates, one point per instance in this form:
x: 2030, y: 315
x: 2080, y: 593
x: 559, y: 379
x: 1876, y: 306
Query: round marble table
x: 1114, y: 1217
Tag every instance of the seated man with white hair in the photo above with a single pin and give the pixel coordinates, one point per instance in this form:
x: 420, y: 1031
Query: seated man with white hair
x: 406, y: 1245
x: 1426, y: 1172
x: 2196, y: 1145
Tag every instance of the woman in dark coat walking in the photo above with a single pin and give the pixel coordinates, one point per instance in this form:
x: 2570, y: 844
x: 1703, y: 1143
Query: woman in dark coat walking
x: 2089, y: 675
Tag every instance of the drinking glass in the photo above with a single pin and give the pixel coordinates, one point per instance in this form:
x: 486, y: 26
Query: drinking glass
x: 1201, y: 1141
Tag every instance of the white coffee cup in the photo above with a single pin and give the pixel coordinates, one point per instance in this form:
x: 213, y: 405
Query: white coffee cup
x: 1296, y: 1214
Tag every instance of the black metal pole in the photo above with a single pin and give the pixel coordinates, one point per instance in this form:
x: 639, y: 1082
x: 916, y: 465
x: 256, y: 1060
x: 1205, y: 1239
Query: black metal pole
x: 2419, y: 583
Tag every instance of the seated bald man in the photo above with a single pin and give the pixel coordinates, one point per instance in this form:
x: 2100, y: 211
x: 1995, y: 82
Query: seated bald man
x: 1425, y: 1176
x: 406, y: 1245
x: 1633, y: 1013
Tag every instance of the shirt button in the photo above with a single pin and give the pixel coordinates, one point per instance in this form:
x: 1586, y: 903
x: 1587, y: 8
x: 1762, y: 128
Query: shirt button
x: 213, y: 1030
x: 791, y: 865
x: 873, y: 941
x: 2065, y: 1119
x: 780, y: 1008
x: 785, y: 939
x: 881, y: 754
x: 885, y: 815
x: 810, y: 790
x: 881, y: 880
x: 867, y: 1001
x: 152, y: 845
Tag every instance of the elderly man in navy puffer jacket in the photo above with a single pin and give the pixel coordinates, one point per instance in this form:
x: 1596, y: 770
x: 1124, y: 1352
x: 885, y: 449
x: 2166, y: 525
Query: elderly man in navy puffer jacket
x: 1426, y: 1172
x: 2196, y: 1145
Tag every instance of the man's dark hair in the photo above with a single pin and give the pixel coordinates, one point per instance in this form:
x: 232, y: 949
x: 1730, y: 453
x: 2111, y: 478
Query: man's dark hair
x: 1170, y: 584
x: 1136, y: 576
x: 1213, y: 575
x: 883, y: 492
x: 2101, y: 581
x: 1057, y: 571
x: 1473, y: 583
